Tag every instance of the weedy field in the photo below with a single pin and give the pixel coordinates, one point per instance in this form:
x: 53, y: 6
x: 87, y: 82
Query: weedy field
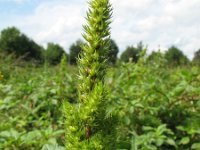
x: 153, y: 107
x: 146, y: 103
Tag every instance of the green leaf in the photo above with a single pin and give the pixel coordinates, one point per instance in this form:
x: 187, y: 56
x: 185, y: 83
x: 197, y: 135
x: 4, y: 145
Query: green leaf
x: 31, y: 136
x: 52, y: 147
x: 58, y: 132
x: 159, y: 142
x: 10, y: 134
x: 147, y: 128
x: 181, y: 128
x: 161, y: 129
x: 127, y: 120
x: 171, y: 142
x: 184, y: 141
x: 196, y: 146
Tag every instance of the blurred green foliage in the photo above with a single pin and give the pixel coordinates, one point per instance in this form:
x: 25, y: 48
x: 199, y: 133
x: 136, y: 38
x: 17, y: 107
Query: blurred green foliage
x: 131, y: 53
x: 155, y: 107
x: 54, y: 53
x: 175, y: 57
x: 31, y: 106
x: 196, y: 59
x: 112, y: 53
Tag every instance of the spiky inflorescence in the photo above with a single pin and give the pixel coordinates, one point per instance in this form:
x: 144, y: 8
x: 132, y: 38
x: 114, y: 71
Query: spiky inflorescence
x: 97, y: 34
x: 87, y: 127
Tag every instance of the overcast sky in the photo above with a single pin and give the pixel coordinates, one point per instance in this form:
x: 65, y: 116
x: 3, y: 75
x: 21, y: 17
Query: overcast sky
x: 158, y: 23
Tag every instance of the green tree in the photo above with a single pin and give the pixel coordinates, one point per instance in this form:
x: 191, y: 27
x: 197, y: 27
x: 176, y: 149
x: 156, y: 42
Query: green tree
x: 153, y: 55
x: 13, y: 41
x: 87, y: 127
x: 132, y: 53
x: 74, y: 51
x: 8, y: 39
x: 196, y: 59
x: 175, y: 56
x: 112, y: 52
x: 54, y: 53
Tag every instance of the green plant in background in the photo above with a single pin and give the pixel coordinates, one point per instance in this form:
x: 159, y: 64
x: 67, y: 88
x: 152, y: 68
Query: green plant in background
x: 132, y: 53
x: 74, y: 51
x: 175, y: 56
x: 196, y: 59
x: 86, y: 125
x: 63, y: 65
x: 1, y: 76
x: 13, y: 41
x: 158, y: 108
x: 29, y: 106
x: 112, y: 53
x: 54, y: 53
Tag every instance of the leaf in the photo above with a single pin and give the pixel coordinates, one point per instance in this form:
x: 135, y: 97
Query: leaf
x: 161, y: 129
x: 58, y: 132
x: 171, y: 142
x: 181, y: 128
x: 53, y: 91
x: 31, y: 136
x: 52, y: 147
x: 147, y: 128
x: 131, y: 110
x: 196, y: 146
x: 10, y: 134
x: 109, y: 111
x: 184, y: 140
x: 52, y: 141
x: 127, y: 120
x: 159, y: 142
x: 137, y: 104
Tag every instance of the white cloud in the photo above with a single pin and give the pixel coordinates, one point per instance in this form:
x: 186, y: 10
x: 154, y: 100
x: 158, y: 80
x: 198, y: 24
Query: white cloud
x: 155, y: 22
x: 55, y: 22
x: 15, y: 1
x: 158, y: 22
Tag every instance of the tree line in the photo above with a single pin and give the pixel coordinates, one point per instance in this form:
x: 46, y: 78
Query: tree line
x: 13, y: 41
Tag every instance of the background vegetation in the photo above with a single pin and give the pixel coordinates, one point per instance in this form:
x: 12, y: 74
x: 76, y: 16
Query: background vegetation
x: 155, y: 105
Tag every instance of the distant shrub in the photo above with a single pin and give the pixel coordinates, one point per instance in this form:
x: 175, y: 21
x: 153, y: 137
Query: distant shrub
x: 196, y: 59
x: 74, y: 51
x: 13, y: 41
x: 132, y: 53
x: 175, y: 57
x: 54, y: 53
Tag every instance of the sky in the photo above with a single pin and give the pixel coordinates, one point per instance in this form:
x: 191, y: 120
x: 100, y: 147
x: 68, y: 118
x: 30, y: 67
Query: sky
x: 157, y: 23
